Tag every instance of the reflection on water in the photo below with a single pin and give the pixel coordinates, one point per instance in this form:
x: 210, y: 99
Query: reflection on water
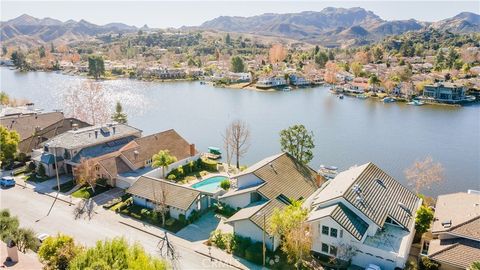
x: 347, y: 132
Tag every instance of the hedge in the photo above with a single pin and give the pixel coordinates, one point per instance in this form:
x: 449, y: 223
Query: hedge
x: 254, y: 253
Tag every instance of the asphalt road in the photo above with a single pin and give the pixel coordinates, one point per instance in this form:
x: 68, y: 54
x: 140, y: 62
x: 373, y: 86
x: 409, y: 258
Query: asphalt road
x: 32, y: 208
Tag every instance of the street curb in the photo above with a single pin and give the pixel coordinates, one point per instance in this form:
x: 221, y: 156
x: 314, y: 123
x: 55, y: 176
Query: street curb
x: 214, y: 258
x: 199, y: 252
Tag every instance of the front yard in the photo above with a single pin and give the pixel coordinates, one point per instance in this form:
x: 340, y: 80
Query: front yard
x: 33, y: 177
x: 65, y: 187
x: 87, y: 192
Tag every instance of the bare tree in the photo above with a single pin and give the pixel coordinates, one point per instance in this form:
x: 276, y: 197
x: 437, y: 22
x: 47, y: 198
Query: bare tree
x: 423, y: 174
x: 227, y: 145
x: 84, y: 207
x: 87, y: 102
x: 167, y: 250
x: 84, y: 173
x: 237, y: 137
x: 160, y: 200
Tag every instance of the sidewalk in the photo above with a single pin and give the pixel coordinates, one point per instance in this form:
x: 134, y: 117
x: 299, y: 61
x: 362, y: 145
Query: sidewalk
x: 45, y: 188
x: 198, y: 247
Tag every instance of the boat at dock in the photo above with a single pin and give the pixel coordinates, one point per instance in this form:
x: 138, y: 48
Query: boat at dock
x: 416, y: 102
x: 389, y: 100
x: 340, y: 96
x: 287, y: 89
x: 362, y: 96
x: 329, y: 172
x: 213, y: 153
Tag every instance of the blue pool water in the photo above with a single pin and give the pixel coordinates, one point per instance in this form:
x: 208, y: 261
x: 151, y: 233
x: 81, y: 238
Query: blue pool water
x: 210, y: 184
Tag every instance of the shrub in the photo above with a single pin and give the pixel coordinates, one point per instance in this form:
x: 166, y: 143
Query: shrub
x: 254, y: 253
x: 222, y: 240
x: 171, y: 177
x: 240, y: 244
x: 427, y: 264
x: 193, y: 216
x: 225, y: 184
x: 182, y: 219
x: 145, y: 212
x: 209, y: 165
x: 31, y: 166
x: 423, y: 219
x: 41, y: 171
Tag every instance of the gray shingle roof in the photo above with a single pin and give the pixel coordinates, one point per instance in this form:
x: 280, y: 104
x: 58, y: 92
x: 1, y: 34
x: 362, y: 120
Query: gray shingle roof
x: 93, y: 135
x: 175, y: 195
x: 380, y: 195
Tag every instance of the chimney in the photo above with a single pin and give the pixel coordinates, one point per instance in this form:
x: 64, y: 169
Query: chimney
x: 192, y: 150
x: 319, y: 179
x: 96, y: 134
x: 113, y: 128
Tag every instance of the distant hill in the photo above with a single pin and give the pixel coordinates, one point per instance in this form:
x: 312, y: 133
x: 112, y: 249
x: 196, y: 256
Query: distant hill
x: 29, y: 30
x: 465, y: 22
x: 335, y: 26
x: 331, y: 27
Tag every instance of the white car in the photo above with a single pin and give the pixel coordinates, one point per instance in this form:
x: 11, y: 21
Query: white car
x: 42, y: 236
x: 373, y: 267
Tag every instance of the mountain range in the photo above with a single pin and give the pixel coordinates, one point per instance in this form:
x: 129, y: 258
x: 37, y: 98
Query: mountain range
x: 329, y: 27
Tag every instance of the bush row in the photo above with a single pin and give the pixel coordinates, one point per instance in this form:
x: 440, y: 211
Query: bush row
x: 192, y: 167
x: 238, y: 245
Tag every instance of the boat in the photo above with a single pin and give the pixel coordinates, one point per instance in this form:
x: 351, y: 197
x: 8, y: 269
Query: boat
x: 340, y: 96
x: 213, y: 153
x: 362, y: 96
x: 328, y: 172
x: 286, y: 89
x: 416, y: 102
x: 389, y: 100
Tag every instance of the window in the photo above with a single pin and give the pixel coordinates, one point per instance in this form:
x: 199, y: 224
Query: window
x: 324, y: 248
x: 325, y: 230
x: 333, y: 232
x: 341, y: 233
x: 333, y: 250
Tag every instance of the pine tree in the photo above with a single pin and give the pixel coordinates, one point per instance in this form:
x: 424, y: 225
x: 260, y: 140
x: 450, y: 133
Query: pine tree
x: 119, y: 116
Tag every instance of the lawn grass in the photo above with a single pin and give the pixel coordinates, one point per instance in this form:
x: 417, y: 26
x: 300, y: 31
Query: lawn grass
x: 86, y: 192
x: 135, y: 211
x: 35, y: 178
x: 65, y: 187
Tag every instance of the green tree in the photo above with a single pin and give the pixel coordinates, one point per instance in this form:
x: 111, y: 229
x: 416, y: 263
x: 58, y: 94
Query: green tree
x: 474, y: 266
x: 356, y: 68
x: 19, y: 60
x: 439, y: 60
x: 225, y: 184
x: 119, y: 116
x: 116, y: 254
x: 163, y: 159
x: 423, y: 219
x: 4, y: 50
x: 237, y: 64
x: 331, y: 56
x: 321, y: 58
x: 57, y: 252
x: 377, y: 54
x: 290, y: 224
x: 228, y: 39
x: 52, y: 48
x: 41, y: 170
x: 9, y: 144
x: 96, y: 67
x: 373, y: 81
x: 41, y: 51
x: 8, y: 225
x: 4, y: 98
x: 427, y: 264
x: 451, y: 58
x: 25, y: 239
x: 298, y: 142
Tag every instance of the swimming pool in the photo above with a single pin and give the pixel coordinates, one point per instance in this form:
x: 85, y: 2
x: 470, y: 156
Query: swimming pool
x: 211, y: 184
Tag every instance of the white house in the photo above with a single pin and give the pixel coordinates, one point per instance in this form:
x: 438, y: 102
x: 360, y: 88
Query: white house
x: 271, y: 82
x: 265, y: 186
x: 366, y: 210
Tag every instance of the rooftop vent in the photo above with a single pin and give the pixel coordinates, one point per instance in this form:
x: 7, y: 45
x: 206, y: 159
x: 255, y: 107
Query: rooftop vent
x: 356, y: 188
x: 273, y: 167
x: 359, y: 199
x: 380, y: 182
x: 405, y: 208
x: 447, y: 223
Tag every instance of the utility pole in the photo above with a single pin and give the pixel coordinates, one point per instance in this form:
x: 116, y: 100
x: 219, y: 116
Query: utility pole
x: 58, y: 180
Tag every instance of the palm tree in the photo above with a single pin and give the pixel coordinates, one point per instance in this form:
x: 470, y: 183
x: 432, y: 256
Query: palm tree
x: 163, y: 159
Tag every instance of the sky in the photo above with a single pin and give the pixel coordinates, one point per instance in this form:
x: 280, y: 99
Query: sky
x: 163, y: 14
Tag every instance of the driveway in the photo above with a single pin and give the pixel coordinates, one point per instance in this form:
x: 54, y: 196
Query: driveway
x: 45, y: 186
x: 200, y: 230
x: 108, y: 195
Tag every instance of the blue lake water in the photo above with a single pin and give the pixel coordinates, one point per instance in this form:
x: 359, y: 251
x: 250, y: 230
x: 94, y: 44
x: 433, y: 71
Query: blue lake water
x: 347, y: 132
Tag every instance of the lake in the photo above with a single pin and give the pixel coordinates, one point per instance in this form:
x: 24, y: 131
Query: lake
x: 347, y: 132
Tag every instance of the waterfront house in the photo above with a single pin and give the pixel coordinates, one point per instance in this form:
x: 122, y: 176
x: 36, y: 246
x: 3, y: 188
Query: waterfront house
x: 263, y: 187
x: 35, y: 128
x: 298, y: 80
x: 180, y: 200
x: 445, y: 93
x: 454, y: 237
x: 166, y: 73
x: 70, y: 147
x: 271, y: 82
x: 122, y: 167
x: 366, y: 210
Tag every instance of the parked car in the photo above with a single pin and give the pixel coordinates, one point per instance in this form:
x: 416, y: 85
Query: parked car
x: 42, y: 236
x: 373, y: 267
x: 7, y: 181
